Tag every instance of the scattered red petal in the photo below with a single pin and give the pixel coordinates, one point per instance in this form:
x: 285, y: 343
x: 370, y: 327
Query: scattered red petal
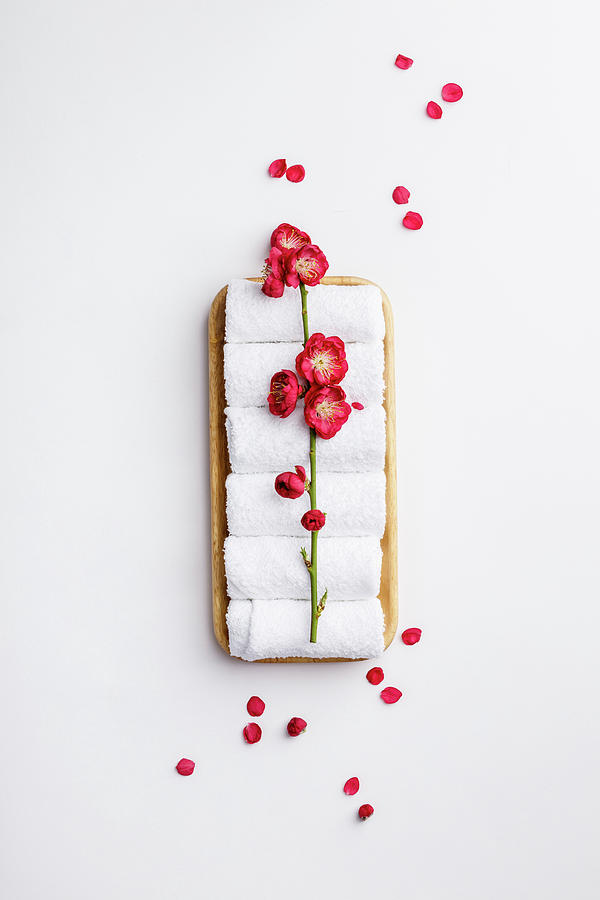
x: 357, y: 405
x: 390, y: 695
x: 255, y: 706
x: 365, y: 811
x: 400, y: 195
x: 296, y: 726
x: 277, y: 168
x: 375, y: 676
x: 351, y: 787
x: 434, y: 110
x: 411, y: 636
x: 451, y: 92
x: 403, y: 62
x: 413, y: 221
x: 185, y: 766
x: 252, y: 733
x: 295, y: 174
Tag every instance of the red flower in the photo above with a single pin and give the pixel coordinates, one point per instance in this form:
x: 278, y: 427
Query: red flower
x: 307, y: 265
x: 255, y: 706
x: 375, y: 676
x: 277, y: 168
x: 365, y: 811
x: 434, y: 110
x: 296, y: 726
x: 313, y: 520
x: 413, y: 221
x: 273, y: 287
x: 185, y: 766
x: 291, y: 485
x: 252, y: 733
x: 326, y: 410
x: 400, y: 194
x: 284, y: 393
x: 451, y: 92
x: 295, y: 173
x: 288, y: 237
x: 351, y: 787
x: 403, y: 62
x: 390, y: 695
x: 323, y: 360
x: 411, y: 636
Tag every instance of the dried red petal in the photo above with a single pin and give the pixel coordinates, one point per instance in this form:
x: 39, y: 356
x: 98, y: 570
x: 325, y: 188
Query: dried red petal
x: 365, y: 811
x: 403, y: 62
x: 351, y: 787
x: 434, y: 110
x: 255, y: 706
x: 400, y: 194
x: 413, y: 221
x: 451, y: 92
x: 185, y: 766
x: 390, y: 695
x: 295, y: 173
x: 296, y: 726
x: 411, y: 636
x: 277, y: 168
x: 357, y: 405
x: 375, y: 676
x: 252, y: 733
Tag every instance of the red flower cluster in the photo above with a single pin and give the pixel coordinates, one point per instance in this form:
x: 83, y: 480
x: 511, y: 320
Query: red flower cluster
x: 292, y: 259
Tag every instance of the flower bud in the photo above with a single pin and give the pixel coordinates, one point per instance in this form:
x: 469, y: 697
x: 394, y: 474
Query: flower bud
x: 185, y: 766
x: 313, y: 520
x: 365, y: 811
x: 296, y: 726
x: 255, y: 706
x: 252, y: 733
x: 277, y: 168
x: 291, y: 484
x: 411, y: 636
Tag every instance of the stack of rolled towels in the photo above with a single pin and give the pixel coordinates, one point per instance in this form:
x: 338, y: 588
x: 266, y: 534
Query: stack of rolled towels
x: 267, y: 582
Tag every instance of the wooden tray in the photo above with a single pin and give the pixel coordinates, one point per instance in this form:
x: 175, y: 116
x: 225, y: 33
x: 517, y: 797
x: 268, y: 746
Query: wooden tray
x: 219, y: 469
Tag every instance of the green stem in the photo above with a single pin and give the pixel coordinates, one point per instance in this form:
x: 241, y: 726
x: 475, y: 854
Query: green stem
x: 314, y: 618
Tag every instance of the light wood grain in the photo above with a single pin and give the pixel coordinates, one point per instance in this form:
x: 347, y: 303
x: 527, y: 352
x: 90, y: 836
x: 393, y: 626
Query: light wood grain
x: 220, y: 468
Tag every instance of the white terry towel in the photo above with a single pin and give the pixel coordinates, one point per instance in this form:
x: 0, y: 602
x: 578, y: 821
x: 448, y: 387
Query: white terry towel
x: 353, y: 312
x: 271, y: 567
x: 261, y: 629
x: 261, y: 442
x: 355, y: 505
x: 248, y: 369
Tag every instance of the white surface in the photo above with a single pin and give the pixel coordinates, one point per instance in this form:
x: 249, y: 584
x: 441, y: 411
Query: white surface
x: 135, y: 138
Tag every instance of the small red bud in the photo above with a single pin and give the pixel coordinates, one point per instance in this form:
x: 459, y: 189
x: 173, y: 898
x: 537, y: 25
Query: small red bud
x: 252, y: 733
x: 375, y: 676
x: 365, y: 811
x: 296, y: 726
x: 185, y: 766
x: 255, y: 706
x: 411, y: 636
x: 390, y: 695
x: 351, y: 787
x: 277, y: 168
x: 357, y: 405
x: 434, y: 110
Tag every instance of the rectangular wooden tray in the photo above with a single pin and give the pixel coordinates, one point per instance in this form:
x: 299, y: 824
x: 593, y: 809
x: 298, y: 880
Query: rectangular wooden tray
x: 219, y: 469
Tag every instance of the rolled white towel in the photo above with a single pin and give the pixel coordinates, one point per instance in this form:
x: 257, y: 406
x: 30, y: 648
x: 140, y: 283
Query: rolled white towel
x: 263, y: 629
x: 355, y: 505
x: 249, y: 367
x: 270, y: 567
x: 353, y: 312
x: 261, y: 442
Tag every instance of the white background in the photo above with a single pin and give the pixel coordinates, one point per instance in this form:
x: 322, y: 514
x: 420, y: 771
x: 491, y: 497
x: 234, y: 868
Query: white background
x: 136, y: 135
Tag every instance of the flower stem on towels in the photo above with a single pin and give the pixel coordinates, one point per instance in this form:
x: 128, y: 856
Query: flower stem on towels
x: 314, y: 618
